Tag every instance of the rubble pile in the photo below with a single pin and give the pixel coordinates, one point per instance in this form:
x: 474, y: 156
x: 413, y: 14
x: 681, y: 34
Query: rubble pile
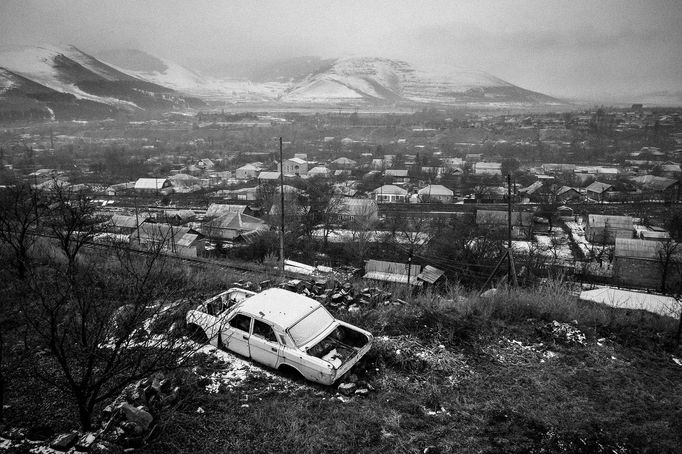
x: 333, y: 293
x: 514, y: 353
x: 566, y: 333
x: 128, y: 423
x: 407, y: 353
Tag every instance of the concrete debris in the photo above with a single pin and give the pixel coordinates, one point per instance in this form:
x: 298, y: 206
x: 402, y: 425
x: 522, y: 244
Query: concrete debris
x: 347, y: 388
x: 677, y: 361
x: 331, y: 292
x: 200, y: 410
x: 515, y: 353
x: 567, y: 333
x: 64, y: 442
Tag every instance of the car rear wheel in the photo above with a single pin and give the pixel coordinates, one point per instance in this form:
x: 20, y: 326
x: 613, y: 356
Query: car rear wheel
x: 290, y: 372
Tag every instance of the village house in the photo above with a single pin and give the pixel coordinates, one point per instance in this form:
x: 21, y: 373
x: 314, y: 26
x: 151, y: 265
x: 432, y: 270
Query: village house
x: 658, y: 188
x: 268, y: 177
x: 230, y: 225
x: 319, y: 171
x: 246, y: 194
x: 599, y: 191
x: 357, y: 212
x: 124, y: 224
x: 605, y: 229
x: 182, y: 241
x: 435, y: 193
x: 154, y: 185
x: 389, y: 193
x: 343, y: 163
x: 567, y: 193
x: 247, y: 172
x: 488, y: 168
x: 295, y: 166
x: 398, y: 175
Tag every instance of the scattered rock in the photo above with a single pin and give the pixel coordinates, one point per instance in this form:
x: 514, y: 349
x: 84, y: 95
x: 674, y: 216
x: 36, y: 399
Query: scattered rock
x: 137, y: 415
x: 85, y: 442
x: 201, y: 410
x: 105, y: 447
x: 39, y: 433
x: 347, y: 388
x: 14, y: 434
x: 64, y: 442
x: 432, y: 450
x: 363, y: 392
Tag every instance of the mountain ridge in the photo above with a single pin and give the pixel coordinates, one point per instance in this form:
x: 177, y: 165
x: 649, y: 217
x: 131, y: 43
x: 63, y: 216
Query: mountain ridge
x: 64, y: 79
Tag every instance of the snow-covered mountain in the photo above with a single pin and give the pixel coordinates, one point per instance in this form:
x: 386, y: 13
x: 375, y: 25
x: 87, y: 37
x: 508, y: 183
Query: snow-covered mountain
x: 68, y: 83
x: 67, y: 79
x: 380, y: 80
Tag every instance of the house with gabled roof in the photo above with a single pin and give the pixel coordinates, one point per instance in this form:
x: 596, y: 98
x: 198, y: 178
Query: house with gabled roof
x: 435, y: 192
x: 390, y: 193
x: 182, y: 241
x: 599, y: 191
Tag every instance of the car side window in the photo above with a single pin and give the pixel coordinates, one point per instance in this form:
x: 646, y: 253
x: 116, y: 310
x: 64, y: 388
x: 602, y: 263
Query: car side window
x: 264, y: 330
x: 241, y: 322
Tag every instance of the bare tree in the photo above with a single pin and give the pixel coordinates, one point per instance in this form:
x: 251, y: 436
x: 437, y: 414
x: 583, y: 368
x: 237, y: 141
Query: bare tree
x: 668, y: 258
x: 20, y: 210
x: 102, y: 313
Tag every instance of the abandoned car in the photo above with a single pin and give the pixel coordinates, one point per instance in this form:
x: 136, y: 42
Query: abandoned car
x: 282, y: 330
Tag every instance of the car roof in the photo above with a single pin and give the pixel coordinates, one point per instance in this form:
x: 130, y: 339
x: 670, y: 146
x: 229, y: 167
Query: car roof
x: 279, y: 307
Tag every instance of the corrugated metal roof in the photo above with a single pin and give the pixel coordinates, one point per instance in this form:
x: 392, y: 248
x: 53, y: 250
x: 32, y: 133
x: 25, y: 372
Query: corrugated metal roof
x: 435, y: 190
x: 598, y: 187
x: 499, y: 217
x: 654, y: 183
x: 615, y: 222
x: 268, y: 176
x: 151, y: 183
x: 217, y: 209
x: 390, y: 271
x: 644, y: 249
x: 390, y: 189
x: 430, y: 274
x: 187, y: 239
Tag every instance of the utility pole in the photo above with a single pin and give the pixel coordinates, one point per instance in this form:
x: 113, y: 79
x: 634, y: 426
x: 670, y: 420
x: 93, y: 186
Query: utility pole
x: 409, y: 269
x: 509, y: 230
x: 281, y: 207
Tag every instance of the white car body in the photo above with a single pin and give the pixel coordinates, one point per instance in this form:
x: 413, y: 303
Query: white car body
x: 280, y: 329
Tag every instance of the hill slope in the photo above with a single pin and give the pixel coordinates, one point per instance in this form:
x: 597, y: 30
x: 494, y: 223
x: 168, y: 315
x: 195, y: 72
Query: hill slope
x: 69, y: 71
x: 379, y: 80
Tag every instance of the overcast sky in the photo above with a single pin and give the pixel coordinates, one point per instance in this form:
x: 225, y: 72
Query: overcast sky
x: 578, y: 48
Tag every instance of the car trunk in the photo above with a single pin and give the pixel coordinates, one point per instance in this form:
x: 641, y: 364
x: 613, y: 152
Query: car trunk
x: 340, y: 346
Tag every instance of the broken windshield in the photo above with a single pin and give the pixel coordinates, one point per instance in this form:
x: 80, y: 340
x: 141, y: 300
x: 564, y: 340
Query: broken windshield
x: 310, y: 326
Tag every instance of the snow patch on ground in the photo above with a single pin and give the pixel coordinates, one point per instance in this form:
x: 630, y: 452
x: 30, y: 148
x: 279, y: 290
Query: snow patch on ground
x: 628, y: 299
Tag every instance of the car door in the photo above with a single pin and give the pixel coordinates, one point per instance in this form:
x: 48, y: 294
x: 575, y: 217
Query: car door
x: 235, y: 336
x: 263, y: 344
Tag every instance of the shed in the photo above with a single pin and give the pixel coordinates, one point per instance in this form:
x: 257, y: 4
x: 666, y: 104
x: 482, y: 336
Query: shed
x: 380, y: 270
x: 430, y: 274
x: 605, y: 228
x: 640, y: 262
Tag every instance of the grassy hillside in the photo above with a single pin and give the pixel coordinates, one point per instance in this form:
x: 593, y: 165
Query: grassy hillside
x: 463, y: 375
x: 527, y: 371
